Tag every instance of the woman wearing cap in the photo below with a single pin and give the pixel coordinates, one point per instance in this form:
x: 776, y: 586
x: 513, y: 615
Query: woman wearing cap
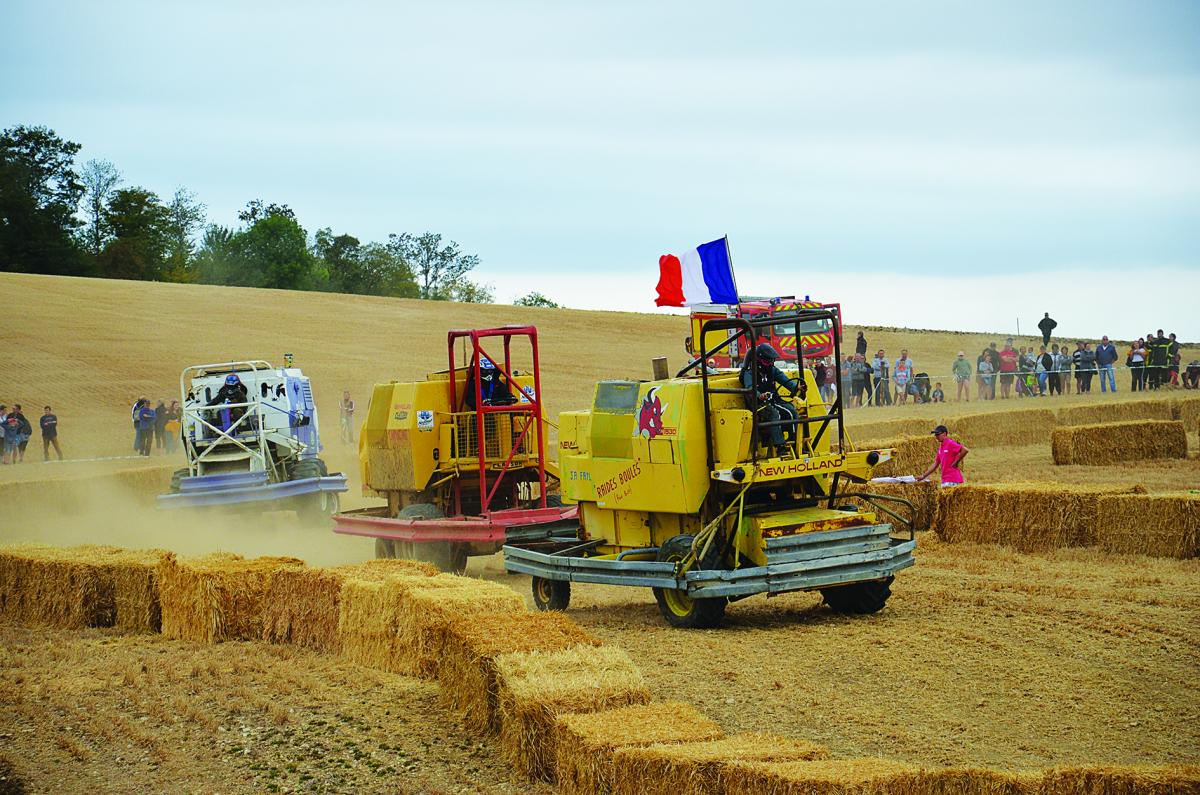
x: 949, y: 456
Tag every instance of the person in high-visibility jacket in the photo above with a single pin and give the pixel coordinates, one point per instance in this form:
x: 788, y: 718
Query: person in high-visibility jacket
x: 1158, y: 352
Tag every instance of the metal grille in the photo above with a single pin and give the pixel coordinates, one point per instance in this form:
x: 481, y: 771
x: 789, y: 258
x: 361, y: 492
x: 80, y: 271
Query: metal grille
x: 499, y: 433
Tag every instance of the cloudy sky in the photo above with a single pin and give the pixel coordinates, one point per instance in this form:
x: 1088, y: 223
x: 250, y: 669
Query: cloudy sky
x: 930, y: 164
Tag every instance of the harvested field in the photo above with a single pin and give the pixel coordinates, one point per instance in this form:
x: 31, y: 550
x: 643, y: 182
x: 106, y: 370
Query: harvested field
x: 1156, y: 409
x: 1029, y: 517
x: 695, y: 768
x: 864, y: 433
x: 86, y: 712
x: 913, y: 456
x: 1160, y: 525
x: 534, y: 688
x: 467, y: 670
x: 585, y: 742
x: 424, y: 615
x: 1098, y: 445
x: 76, y: 587
x: 217, y: 597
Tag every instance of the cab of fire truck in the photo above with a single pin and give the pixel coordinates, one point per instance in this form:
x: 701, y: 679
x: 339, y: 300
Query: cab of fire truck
x: 816, y: 336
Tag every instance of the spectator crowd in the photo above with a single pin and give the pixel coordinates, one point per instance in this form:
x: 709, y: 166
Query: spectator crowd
x: 16, y: 431
x: 1152, y: 362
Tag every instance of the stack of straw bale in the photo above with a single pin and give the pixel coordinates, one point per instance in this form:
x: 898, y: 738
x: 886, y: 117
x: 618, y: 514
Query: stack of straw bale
x: 922, y: 495
x: 913, y: 455
x: 1003, y: 428
x: 76, y: 587
x: 216, y: 597
x: 695, y: 768
x: 585, y: 742
x: 369, y: 618
x: 534, y: 688
x: 1187, y: 410
x: 1114, y: 780
x: 424, y: 616
x: 1099, y: 445
x: 303, y: 605
x: 467, y: 670
x: 1126, y: 411
x: 862, y: 434
x: 1159, y: 525
x: 1030, y: 517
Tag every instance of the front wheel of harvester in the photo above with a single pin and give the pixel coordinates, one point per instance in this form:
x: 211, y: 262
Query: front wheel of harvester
x: 676, y: 606
x: 860, y: 598
x: 446, y: 555
x: 385, y: 549
x: 318, y: 507
x: 551, y: 594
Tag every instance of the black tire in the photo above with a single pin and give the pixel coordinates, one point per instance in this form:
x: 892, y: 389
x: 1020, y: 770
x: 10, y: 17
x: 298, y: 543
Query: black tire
x: 446, y: 555
x: 551, y: 594
x: 318, y: 507
x: 679, y: 609
x: 385, y: 548
x: 177, y: 476
x: 554, y: 501
x: 308, y: 468
x: 860, y: 598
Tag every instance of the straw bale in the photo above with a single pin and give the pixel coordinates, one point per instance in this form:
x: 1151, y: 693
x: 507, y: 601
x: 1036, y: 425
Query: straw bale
x: 913, y: 455
x: 1027, y: 516
x: 820, y: 777
x: 585, y: 742
x: 467, y: 670
x: 1125, y: 411
x: 1113, y: 780
x: 216, y: 597
x: 533, y: 688
x: 1187, y: 410
x: 368, y: 617
x: 862, y: 433
x: 303, y: 605
x: 425, y: 613
x: 83, y: 586
x: 1003, y: 428
x: 1159, y: 525
x: 694, y: 768
x: 1099, y: 445
x: 922, y: 495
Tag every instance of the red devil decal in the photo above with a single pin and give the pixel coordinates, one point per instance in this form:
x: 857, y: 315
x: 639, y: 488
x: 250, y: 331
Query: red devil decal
x: 650, y: 415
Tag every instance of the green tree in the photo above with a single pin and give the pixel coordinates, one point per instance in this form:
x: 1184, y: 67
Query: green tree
x: 99, y: 179
x: 273, y: 252
x: 389, y: 274
x: 469, y: 292
x: 256, y: 210
x: 140, y: 226
x: 342, y: 258
x: 536, y: 299
x: 440, y: 270
x: 186, y: 219
x: 39, y: 193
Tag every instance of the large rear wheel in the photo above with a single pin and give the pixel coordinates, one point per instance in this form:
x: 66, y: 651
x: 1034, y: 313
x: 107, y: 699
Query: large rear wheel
x: 446, y: 555
x: 860, y: 598
x: 676, y: 606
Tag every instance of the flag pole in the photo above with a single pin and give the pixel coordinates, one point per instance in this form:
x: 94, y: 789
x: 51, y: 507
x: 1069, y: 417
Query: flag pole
x: 732, y: 273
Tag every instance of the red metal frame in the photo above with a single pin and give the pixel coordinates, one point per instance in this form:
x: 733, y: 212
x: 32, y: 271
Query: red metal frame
x: 462, y: 529
x: 532, y: 408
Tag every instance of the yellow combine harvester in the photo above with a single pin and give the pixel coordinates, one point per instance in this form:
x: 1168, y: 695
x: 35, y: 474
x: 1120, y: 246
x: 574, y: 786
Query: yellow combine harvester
x: 679, y: 490
x: 459, y: 457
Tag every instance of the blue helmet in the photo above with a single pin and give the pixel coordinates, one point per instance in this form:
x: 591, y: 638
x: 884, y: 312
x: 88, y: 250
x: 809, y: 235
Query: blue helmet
x: 486, y: 364
x: 232, y: 380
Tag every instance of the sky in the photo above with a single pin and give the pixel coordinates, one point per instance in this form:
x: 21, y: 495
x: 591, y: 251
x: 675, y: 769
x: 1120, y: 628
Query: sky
x: 926, y: 164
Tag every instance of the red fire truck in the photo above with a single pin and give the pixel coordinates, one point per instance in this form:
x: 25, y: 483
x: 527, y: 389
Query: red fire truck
x: 815, y: 335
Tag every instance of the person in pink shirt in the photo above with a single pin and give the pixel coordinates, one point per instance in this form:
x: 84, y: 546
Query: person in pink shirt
x: 949, y: 456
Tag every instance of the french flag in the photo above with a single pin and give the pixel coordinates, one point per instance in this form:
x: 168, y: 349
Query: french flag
x: 703, y: 275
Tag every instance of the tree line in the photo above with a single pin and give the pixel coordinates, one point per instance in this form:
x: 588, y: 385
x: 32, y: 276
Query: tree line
x: 62, y: 219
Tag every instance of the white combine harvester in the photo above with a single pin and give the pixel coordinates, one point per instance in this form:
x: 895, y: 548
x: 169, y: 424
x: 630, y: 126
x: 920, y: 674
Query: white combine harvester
x: 251, y: 438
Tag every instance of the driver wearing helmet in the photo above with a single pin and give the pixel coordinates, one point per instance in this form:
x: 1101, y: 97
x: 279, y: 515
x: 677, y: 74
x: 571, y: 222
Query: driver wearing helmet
x: 233, y: 391
x: 772, y: 405
x: 493, y: 387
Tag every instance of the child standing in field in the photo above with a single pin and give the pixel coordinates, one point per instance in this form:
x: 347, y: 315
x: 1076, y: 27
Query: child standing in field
x: 938, y: 395
x: 949, y: 458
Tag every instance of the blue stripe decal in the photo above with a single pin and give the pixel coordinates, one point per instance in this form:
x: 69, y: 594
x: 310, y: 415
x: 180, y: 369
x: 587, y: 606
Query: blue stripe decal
x: 718, y: 271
